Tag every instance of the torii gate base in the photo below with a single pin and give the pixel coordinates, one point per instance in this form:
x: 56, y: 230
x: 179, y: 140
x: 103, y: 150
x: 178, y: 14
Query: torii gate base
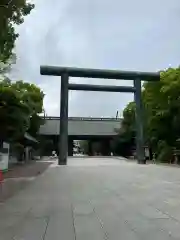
x: 66, y: 72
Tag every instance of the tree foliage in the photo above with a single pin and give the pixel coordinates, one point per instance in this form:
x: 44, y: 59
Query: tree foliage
x: 121, y: 144
x: 45, y: 146
x: 162, y: 108
x: 128, y: 122
x: 20, y: 105
x: 161, y: 101
x: 84, y: 146
x: 12, y: 13
x: 32, y: 97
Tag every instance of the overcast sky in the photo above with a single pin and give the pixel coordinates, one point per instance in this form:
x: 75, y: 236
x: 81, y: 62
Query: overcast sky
x: 115, y: 34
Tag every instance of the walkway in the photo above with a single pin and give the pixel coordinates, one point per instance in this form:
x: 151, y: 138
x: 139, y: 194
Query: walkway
x: 96, y: 199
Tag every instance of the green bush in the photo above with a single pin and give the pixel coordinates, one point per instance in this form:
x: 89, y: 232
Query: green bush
x: 165, y: 153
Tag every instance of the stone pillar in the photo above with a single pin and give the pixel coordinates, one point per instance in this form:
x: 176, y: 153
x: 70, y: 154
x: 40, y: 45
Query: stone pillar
x: 139, y: 122
x: 63, y: 129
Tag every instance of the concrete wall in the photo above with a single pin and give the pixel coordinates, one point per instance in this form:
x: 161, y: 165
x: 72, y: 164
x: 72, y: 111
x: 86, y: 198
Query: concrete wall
x: 83, y: 126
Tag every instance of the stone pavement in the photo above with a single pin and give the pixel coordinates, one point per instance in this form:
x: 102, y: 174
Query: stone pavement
x: 96, y: 199
x: 19, y: 176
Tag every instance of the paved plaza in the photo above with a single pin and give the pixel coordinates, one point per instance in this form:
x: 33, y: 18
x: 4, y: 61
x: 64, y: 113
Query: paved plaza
x: 96, y: 199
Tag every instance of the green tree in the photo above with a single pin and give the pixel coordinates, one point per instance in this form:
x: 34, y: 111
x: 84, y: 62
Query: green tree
x: 5, y: 67
x: 45, y: 146
x: 84, y: 146
x: 20, y: 105
x: 13, y: 113
x: 128, y: 122
x: 12, y: 13
x: 123, y: 143
x: 32, y: 96
x: 161, y: 101
x: 162, y: 106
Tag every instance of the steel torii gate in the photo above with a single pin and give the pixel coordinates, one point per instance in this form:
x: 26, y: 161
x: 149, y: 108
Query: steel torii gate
x: 66, y: 72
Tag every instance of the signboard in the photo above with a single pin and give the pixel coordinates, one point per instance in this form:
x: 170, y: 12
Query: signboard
x: 4, y: 157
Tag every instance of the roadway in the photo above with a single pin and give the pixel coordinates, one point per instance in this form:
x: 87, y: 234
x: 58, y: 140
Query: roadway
x: 96, y: 198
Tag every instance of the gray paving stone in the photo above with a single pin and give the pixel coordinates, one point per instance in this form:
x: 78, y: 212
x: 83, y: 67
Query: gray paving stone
x: 171, y: 226
x: 41, y: 209
x: 14, y: 207
x: 61, y: 226
x: 96, y: 199
x: 148, y: 229
x: 8, y: 225
x: 6, y: 235
x: 152, y: 213
x: 83, y: 208
x: 122, y: 232
x: 32, y: 228
x: 9, y: 221
x: 159, y: 235
x: 88, y: 227
x: 114, y: 223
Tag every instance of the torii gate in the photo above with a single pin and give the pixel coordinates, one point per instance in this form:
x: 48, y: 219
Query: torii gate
x: 66, y: 72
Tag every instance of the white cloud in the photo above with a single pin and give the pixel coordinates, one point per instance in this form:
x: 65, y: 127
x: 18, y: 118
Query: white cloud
x: 127, y: 35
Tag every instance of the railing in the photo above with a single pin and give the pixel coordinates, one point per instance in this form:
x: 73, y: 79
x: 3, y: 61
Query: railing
x: 85, y: 119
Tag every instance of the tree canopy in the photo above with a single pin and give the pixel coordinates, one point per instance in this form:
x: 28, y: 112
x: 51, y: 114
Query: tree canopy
x: 121, y: 144
x: 12, y: 13
x: 20, y: 106
x: 161, y: 101
x: 20, y: 102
